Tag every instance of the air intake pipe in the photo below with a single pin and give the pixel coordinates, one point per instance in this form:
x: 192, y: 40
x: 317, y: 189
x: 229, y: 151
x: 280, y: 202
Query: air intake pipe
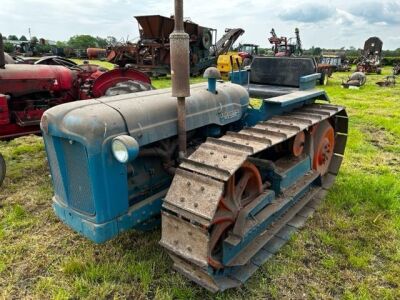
x: 180, y: 72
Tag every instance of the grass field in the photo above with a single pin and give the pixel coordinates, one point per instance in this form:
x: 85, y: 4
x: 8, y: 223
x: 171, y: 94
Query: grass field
x: 350, y: 249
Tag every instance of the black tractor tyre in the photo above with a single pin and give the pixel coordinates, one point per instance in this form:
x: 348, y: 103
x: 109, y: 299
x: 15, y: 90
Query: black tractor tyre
x: 127, y: 87
x: 246, y: 62
x: 324, y: 78
x: 2, y: 169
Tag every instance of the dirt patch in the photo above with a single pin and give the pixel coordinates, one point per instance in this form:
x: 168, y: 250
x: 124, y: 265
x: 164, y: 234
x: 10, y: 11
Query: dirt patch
x: 379, y: 137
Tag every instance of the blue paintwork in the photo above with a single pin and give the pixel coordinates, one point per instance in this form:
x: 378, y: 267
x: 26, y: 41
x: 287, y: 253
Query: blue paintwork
x: 100, y: 197
x: 282, y: 180
x: 135, y: 217
x: 308, y: 82
x: 212, y: 85
x: 279, y: 105
x: 240, y: 77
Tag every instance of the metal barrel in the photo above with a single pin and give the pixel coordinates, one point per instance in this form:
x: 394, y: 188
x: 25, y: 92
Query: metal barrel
x: 180, y: 72
x: 2, y: 57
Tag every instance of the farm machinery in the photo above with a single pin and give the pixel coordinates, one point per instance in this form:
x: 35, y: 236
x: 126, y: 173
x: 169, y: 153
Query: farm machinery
x: 371, y: 58
x: 26, y: 90
x: 337, y: 61
x: 236, y: 59
x: 283, y: 46
x: 229, y: 181
x: 151, y: 54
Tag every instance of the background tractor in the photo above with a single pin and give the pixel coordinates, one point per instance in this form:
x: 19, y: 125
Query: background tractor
x: 28, y: 90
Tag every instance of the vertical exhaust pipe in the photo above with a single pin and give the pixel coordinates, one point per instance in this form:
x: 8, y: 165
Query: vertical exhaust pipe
x: 2, y: 57
x: 180, y: 72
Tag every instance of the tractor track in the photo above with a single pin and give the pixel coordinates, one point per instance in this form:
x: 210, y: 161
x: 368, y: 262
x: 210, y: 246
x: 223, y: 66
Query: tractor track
x: 200, y: 181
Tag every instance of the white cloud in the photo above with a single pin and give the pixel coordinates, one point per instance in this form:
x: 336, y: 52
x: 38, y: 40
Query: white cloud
x: 336, y: 24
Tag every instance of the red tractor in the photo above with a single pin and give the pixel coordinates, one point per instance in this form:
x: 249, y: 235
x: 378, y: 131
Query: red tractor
x: 27, y: 90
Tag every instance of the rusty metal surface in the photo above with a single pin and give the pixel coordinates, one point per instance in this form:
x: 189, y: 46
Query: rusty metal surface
x: 180, y: 72
x: 214, y: 162
x: 188, y: 186
x: 185, y: 239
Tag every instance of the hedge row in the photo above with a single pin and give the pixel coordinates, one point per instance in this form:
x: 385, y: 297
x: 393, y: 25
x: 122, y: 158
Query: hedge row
x: 387, y: 61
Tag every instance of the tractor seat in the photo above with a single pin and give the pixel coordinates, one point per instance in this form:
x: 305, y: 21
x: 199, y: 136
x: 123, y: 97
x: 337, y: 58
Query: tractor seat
x: 277, y: 76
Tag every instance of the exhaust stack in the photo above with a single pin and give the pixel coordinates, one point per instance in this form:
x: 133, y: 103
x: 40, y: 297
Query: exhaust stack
x: 2, y: 57
x: 180, y: 72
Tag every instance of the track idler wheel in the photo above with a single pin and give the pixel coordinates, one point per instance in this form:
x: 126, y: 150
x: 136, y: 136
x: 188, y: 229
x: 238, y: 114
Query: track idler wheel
x: 240, y: 190
x: 324, y: 143
x: 2, y: 169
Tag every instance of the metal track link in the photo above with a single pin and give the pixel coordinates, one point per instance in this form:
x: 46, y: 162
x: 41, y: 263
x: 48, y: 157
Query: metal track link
x: 199, y: 183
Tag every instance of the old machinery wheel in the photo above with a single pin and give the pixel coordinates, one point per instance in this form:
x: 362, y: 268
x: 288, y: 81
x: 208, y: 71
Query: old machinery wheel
x: 298, y: 144
x: 240, y: 190
x: 2, y: 169
x: 324, y: 78
x: 127, y: 87
x: 358, y: 76
x: 246, y: 62
x: 324, y: 143
x: 206, y: 40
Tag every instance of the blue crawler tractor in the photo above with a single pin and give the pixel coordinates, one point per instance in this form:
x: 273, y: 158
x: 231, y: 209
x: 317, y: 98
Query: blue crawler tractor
x: 229, y: 180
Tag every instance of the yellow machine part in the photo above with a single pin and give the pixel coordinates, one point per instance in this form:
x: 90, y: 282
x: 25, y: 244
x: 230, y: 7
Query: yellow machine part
x: 224, y: 63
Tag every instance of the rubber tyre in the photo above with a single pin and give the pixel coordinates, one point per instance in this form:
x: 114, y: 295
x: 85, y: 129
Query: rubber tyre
x: 324, y: 78
x: 2, y: 169
x: 246, y: 62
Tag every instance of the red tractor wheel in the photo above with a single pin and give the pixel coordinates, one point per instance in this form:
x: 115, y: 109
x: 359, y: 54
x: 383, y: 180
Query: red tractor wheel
x: 324, y: 143
x: 240, y: 190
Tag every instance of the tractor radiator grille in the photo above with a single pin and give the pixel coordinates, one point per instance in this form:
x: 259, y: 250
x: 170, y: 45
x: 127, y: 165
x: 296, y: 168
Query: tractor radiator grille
x: 70, y: 173
x: 76, y: 181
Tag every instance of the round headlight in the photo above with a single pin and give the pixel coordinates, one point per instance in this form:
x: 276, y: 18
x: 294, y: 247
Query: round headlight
x: 124, y: 148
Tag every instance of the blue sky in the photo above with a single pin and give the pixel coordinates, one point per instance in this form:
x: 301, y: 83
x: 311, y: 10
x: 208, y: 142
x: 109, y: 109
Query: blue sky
x: 328, y: 24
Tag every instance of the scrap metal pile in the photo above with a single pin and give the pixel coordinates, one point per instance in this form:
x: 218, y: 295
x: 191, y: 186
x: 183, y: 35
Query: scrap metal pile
x: 337, y: 60
x: 151, y: 54
x: 371, y: 58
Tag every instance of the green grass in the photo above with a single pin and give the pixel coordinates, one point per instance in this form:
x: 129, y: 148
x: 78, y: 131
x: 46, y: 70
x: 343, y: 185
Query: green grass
x: 350, y: 249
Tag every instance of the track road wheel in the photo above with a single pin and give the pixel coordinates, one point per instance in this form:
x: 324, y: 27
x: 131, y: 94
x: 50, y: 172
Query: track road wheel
x: 127, y: 87
x: 2, y: 169
x: 240, y: 190
x: 324, y: 142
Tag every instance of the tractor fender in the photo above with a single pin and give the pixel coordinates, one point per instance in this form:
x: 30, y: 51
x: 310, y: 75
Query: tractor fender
x: 111, y: 78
